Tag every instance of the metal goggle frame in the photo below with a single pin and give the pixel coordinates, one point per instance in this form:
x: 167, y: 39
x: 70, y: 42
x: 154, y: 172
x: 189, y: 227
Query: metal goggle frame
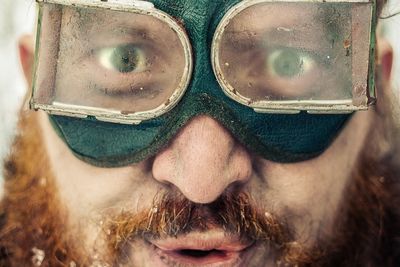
x: 318, y: 58
x: 127, y: 21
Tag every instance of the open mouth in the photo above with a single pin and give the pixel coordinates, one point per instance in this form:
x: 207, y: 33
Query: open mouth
x: 198, y: 257
x: 194, y: 253
x: 201, y: 250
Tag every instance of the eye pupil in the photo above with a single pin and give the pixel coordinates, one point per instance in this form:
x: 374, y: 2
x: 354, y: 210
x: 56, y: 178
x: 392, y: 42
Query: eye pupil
x: 288, y: 64
x: 125, y: 58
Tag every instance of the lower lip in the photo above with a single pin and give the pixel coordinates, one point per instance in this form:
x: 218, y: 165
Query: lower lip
x: 163, y: 258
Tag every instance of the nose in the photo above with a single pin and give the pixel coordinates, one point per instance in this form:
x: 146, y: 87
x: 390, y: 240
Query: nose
x: 203, y: 161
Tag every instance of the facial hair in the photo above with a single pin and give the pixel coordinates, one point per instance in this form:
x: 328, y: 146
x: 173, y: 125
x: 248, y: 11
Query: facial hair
x: 32, y: 228
x: 172, y: 215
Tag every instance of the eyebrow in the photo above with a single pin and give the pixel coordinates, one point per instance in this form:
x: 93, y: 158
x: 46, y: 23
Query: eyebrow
x: 334, y: 24
x: 122, y: 30
x: 334, y: 21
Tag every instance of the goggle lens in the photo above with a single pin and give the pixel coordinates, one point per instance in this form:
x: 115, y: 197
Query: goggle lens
x: 111, y: 61
x: 299, y: 56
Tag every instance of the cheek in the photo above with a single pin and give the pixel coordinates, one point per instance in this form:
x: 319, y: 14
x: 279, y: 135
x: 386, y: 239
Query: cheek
x: 84, y: 188
x: 88, y: 190
x: 305, y: 188
x: 308, y: 194
x: 94, y: 188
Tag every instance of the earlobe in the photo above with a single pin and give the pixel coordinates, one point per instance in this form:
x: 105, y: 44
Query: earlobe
x: 26, y: 55
x: 385, y: 59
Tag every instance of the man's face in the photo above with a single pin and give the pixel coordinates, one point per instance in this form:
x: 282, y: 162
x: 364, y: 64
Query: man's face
x: 203, y: 165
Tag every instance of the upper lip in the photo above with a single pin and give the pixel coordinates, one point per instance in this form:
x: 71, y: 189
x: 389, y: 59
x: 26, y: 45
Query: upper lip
x: 210, y: 240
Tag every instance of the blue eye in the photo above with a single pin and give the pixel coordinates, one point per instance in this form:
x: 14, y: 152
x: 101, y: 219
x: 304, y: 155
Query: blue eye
x: 124, y: 58
x: 289, y: 63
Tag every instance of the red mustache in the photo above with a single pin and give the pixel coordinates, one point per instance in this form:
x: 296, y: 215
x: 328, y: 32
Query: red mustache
x: 174, y: 215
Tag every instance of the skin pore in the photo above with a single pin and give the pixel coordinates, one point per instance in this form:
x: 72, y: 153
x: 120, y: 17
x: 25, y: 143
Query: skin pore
x: 81, y: 213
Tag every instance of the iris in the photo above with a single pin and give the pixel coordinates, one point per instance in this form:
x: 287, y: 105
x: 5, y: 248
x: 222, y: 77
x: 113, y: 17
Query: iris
x: 124, y: 58
x: 288, y: 62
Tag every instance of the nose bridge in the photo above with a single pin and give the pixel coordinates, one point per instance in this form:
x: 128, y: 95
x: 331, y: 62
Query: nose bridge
x: 202, y: 161
x: 199, y: 18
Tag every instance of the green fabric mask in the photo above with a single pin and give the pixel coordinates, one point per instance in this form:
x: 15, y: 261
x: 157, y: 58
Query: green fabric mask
x: 281, y: 138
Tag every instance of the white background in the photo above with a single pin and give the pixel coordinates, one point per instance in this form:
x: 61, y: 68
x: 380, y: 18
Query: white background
x: 17, y: 17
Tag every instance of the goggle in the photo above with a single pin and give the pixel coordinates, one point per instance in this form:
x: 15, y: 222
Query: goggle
x: 126, y: 61
x: 104, y: 65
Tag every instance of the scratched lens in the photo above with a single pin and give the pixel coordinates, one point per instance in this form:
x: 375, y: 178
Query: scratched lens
x: 113, y: 60
x: 305, y: 54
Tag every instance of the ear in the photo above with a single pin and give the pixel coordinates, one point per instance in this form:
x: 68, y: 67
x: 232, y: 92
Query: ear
x: 26, y: 55
x: 384, y: 64
x: 385, y: 60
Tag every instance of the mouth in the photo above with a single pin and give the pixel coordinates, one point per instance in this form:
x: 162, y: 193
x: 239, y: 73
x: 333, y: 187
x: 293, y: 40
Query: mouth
x: 212, y: 248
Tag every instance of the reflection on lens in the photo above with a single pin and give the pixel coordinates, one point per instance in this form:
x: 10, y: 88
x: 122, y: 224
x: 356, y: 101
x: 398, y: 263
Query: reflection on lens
x: 260, y: 55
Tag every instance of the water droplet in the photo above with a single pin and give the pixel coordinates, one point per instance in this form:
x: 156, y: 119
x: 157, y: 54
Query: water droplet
x: 38, y: 256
